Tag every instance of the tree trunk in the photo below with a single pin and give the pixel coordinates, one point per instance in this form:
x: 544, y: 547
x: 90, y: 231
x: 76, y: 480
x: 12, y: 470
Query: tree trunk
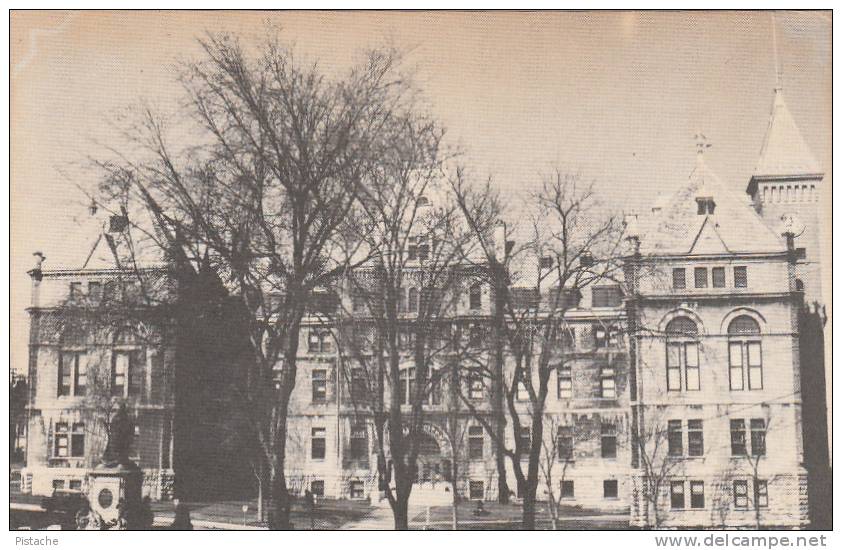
x: 401, y: 512
x: 281, y: 505
x: 455, y: 521
x: 497, y: 397
x: 528, y: 522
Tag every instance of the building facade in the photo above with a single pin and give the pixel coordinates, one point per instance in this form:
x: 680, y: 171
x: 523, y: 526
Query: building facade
x: 679, y: 398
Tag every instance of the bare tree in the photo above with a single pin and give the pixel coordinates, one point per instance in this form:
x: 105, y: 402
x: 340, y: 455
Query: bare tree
x: 749, y: 460
x: 274, y: 155
x: 571, y: 246
x: 555, y: 451
x: 651, y: 439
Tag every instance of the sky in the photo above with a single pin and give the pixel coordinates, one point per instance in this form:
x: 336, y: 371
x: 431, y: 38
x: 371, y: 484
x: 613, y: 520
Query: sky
x: 615, y: 96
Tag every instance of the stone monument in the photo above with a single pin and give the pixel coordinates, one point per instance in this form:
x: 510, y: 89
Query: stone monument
x: 115, y: 485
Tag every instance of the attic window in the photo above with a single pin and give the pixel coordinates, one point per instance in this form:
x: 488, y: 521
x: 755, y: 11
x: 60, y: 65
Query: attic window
x: 706, y: 206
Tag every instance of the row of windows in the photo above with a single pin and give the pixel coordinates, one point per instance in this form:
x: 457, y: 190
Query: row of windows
x: 411, y: 300
x: 716, y: 279
x: 745, y: 357
x: 127, y: 373
x: 678, y: 491
x: 789, y: 193
x: 69, y: 439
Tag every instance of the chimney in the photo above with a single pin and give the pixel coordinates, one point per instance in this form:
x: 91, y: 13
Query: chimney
x: 36, y: 274
x: 500, y: 241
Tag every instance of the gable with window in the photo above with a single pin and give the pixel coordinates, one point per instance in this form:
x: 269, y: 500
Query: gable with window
x: 682, y: 355
x: 745, y: 354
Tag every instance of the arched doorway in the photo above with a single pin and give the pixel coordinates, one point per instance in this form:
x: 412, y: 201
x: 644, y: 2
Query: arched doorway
x: 433, y: 467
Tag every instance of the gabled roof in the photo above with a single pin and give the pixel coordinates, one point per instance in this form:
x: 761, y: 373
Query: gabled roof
x: 784, y: 151
x: 733, y: 228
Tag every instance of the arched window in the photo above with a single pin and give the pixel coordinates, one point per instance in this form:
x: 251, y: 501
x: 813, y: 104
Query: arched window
x: 745, y: 357
x: 682, y: 355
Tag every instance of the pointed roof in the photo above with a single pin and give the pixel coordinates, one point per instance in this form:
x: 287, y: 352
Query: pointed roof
x: 733, y: 228
x: 784, y: 151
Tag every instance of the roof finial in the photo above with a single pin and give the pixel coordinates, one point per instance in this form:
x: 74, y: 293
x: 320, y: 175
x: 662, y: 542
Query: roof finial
x: 778, y: 80
x: 702, y: 143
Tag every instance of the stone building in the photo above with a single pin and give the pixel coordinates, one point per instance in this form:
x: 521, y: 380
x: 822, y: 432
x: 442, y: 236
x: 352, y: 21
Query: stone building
x: 690, y: 396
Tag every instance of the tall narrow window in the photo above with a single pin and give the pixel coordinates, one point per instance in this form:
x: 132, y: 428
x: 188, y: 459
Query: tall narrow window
x: 745, y: 355
x: 475, y: 297
x: 761, y: 493
x: 413, y: 300
x: 677, y: 495
x: 565, y: 443
x: 319, y: 383
x: 318, y: 443
x: 740, y: 494
x: 701, y: 277
x: 608, y: 436
x: 695, y: 438
x: 565, y: 383
x: 358, y: 450
x: 758, y: 437
x: 522, y: 391
x: 359, y: 385
x: 475, y: 384
x: 738, y: 437
x: 718, y: 277
x: 682, y: 355
x: 120, y: 368
x: 72, y: 373
x: 476, y: 442
x: 608, y: 384
x: 524, y: 439
x: 675, y: 438
x: 697, y: 494
x: 679, y: 281
x: 740, y: 277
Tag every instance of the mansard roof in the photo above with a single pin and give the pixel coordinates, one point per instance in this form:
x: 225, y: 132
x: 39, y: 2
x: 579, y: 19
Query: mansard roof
x: 733, y: 228
x: 784, y: 152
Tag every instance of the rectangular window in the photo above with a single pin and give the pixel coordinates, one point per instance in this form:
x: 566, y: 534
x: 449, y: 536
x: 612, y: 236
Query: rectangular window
x: 476, y: 441
x: 691, y: 366
x: 735, y: 362
x: 75, y: 485
x: 318, y: 444
x: 738, y: 437
x: 608, y: 434
x: 674, y: 366
x: 475, y: 384
x: 77, y: 440
x: 600, y: 336
x: 75, y: 290
x: 761, y: 493
x: 565, y: 383
x: 522, y: 391
x: 606, y: 296
x: 357, y: 489
x: 740, y: 277
x: 740, y: 494
x: 675, y: 438
x: 568, y: 489
x: 73, y: 373
x: 358, y: 449
x: 758, y: 437
x: 701, y: 277
x: 718, y: 277
x: 359, y: 386
x: 608, y: 385
x: 475, y: 296
x: 609, y: 488
x: 679, y: 280
x: 565, y: 443
x: 319, y: 386
x: 697, y: 494
x: 61, y: 440
x: 677, y: 495
x: 695, y: 438
x: 476, y: 490
x: 755, y: 366
x: 317, y: 487
x: 524, y: 439
x: 120, y: 369
x: 313, y: 341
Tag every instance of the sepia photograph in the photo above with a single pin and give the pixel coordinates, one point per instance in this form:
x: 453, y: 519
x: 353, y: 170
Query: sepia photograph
x: 421, y: 270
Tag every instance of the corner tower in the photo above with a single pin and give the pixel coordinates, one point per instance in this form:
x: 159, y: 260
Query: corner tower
x: 785, y: 188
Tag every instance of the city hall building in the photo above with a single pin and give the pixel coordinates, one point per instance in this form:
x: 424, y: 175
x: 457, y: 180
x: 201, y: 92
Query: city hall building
x: 693, y: 396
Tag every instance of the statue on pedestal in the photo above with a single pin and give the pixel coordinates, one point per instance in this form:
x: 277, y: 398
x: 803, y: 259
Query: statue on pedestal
x: 120, y: 435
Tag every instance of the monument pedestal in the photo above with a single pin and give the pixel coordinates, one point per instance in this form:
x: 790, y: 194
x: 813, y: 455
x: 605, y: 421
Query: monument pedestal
x: 109, y: 486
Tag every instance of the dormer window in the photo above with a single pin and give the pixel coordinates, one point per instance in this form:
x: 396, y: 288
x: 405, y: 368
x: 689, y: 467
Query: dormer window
x: 705, y: 205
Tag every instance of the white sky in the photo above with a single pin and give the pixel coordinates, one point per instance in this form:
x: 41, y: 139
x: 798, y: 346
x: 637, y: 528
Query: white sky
x: 617, y: 96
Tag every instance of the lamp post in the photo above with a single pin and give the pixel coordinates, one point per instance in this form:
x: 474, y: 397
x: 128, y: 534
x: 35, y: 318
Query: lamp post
x: 245, y: 511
